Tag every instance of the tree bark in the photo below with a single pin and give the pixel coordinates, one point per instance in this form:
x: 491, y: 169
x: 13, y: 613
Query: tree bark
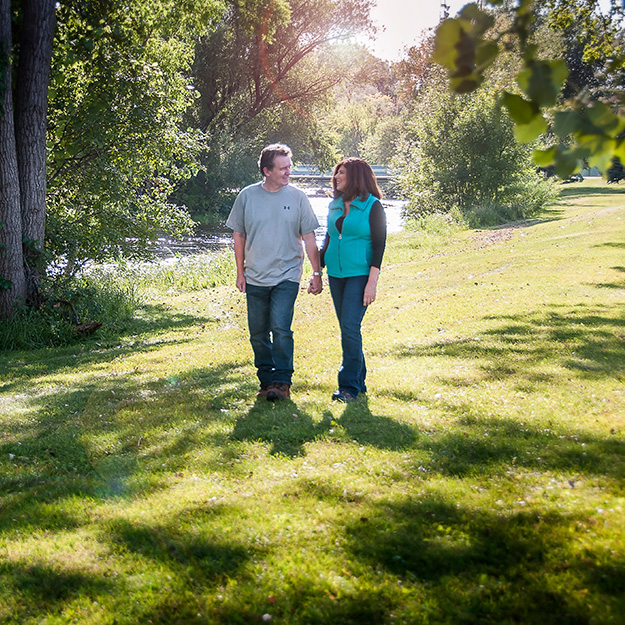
x: 31, y: 105
x: 12, y: 276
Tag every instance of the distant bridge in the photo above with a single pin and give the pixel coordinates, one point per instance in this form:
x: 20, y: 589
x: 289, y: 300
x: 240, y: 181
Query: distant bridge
x: 310, y: 172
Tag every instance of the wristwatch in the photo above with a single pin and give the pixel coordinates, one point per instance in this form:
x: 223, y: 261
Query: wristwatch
x: 317, y: 273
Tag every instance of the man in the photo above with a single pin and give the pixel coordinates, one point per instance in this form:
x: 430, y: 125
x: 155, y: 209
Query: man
x: 270, y: 219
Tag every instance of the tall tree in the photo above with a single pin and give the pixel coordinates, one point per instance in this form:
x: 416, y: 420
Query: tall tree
x: 121, y: 86
x: 265, y: 74
x: 267, y: 52
x: 23, y: 147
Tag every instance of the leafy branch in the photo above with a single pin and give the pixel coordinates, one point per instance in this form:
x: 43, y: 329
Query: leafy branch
x: 587, y: 130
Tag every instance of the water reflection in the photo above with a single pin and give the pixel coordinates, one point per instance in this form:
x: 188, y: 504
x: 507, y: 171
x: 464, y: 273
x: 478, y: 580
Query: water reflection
x: 216, y: 236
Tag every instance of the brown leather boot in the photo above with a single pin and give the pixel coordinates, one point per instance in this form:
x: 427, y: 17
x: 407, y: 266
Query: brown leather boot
x: 279, y: 391
x: 262, y: 393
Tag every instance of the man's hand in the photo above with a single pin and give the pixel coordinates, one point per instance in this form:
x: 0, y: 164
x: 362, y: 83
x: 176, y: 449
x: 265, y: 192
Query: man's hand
x: 310, y: 244
x: 241, y: 283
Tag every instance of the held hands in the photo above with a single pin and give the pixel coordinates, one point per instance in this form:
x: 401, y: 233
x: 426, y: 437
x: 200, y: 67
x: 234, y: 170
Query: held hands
x: 315, y: 286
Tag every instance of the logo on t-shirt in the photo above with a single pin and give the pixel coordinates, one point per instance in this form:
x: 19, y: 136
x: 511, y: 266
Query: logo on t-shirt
x: 287, y: 208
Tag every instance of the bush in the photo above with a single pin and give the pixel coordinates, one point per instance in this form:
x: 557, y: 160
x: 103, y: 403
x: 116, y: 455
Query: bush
x: 616, y: 173
x: 110, y: 294
x: 53, y: 325
x: 461, y: 152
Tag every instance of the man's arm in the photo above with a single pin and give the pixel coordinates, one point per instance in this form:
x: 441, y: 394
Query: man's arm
x: 316, y: 285
x: 239, y: 257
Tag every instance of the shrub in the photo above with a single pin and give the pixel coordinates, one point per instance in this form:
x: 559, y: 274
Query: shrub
x: 461, y: 152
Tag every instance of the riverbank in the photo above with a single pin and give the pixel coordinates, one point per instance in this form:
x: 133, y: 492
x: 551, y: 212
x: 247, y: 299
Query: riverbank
x: 482, y: 481
x: 213, y: 237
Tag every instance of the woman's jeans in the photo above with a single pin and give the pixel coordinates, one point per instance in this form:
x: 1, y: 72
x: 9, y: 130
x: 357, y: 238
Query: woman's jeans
x: 269, y: 318
x: 347, y: 295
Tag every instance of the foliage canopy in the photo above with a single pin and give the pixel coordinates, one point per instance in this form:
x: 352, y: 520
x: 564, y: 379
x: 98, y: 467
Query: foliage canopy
x: 468, y: 45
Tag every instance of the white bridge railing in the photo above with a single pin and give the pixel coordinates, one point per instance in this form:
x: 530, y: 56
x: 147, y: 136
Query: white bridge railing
x: 310, y: 172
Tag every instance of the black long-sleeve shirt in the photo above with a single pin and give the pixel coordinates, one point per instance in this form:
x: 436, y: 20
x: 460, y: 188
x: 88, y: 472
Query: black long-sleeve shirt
x: 377, y: 224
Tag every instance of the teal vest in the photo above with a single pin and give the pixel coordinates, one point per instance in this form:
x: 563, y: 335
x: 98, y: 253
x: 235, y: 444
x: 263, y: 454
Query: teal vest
x: 349, y: 252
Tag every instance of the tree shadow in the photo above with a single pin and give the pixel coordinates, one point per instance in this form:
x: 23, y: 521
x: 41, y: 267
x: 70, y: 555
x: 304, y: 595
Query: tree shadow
x: 87, y: 442
x: 428, y: 542
x: 203, y: 559
x: 571, y: 191
x: 42, y: 587
x: 18, y: 366
x: 481, y: 444
x: 581, y: 339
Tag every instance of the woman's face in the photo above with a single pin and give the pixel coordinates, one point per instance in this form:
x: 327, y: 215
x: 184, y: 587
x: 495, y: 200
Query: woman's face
x: 340, y: 178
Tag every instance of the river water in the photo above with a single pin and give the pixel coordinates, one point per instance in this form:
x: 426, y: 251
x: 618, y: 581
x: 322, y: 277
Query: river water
x: 217, y: 236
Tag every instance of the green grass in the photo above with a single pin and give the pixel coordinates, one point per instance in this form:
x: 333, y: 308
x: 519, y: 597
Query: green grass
x: 481, y: 482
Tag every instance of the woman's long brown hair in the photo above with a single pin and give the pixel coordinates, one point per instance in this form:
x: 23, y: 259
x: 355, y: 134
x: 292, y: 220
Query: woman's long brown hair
x: 360, y: 180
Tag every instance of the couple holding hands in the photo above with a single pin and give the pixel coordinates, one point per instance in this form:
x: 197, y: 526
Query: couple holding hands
x: 270, y: 219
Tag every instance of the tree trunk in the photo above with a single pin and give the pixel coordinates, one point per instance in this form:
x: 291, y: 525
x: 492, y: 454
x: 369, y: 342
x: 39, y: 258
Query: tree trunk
x: 31, y: 105
x: 12, y: 276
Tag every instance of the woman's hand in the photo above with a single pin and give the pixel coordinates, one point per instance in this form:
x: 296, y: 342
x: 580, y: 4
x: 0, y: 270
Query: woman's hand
x: 371, y: 286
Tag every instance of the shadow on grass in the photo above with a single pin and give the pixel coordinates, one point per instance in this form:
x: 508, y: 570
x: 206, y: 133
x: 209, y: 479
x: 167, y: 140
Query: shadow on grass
x: 89, y: 443
x: 488, y: 566
x: 572, y: 192
x: 282, y: 424
x: 16, y: 367
x: 182, y: 560
x: 614, y: 285
x: 42, y: 588
x: 204, y: 560
x: 584, y: 340
x: 376, y: 430
x: 483, y: 445
x: 288, y: 428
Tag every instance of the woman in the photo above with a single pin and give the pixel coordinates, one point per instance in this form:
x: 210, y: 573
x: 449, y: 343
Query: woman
x: 352, y: 252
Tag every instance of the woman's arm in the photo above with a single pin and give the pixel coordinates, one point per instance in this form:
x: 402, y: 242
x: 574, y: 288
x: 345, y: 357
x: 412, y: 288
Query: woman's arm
x: 377, y: 223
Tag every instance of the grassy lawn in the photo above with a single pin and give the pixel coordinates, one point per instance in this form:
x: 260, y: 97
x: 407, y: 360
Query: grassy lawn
x: 482, y: 481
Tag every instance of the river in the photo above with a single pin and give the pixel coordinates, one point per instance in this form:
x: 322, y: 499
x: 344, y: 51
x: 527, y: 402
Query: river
x: 217, y: 236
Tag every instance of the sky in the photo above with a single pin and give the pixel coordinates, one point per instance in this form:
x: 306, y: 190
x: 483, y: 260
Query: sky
x: 401, y: 23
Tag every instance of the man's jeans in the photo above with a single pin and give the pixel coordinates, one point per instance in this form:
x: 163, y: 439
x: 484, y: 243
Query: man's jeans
x: 269, y: 317
x: 347, y: 295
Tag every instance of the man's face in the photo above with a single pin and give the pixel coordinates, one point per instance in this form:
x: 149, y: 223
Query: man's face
x: 278, y: 177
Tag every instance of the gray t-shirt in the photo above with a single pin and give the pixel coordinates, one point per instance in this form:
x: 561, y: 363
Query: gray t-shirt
x: 274, y: 224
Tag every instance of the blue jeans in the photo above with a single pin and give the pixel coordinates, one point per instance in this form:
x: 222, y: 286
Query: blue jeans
x: 347, y: 295
x: 269, y: 317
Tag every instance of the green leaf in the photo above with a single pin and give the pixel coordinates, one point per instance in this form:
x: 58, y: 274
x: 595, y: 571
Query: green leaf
x: 602, y: 151
x: 566, y: 123
x: 619, y: 150
x: 603, y: 119
x: 565, y: 163
x: 448, y: 36
x: 486, y: 53
x: 542, y: 81
x: 525, y: 133
x: 544, y: 158
x: 466, y: 84
x: 521, y: 110
x: 480, y: 20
